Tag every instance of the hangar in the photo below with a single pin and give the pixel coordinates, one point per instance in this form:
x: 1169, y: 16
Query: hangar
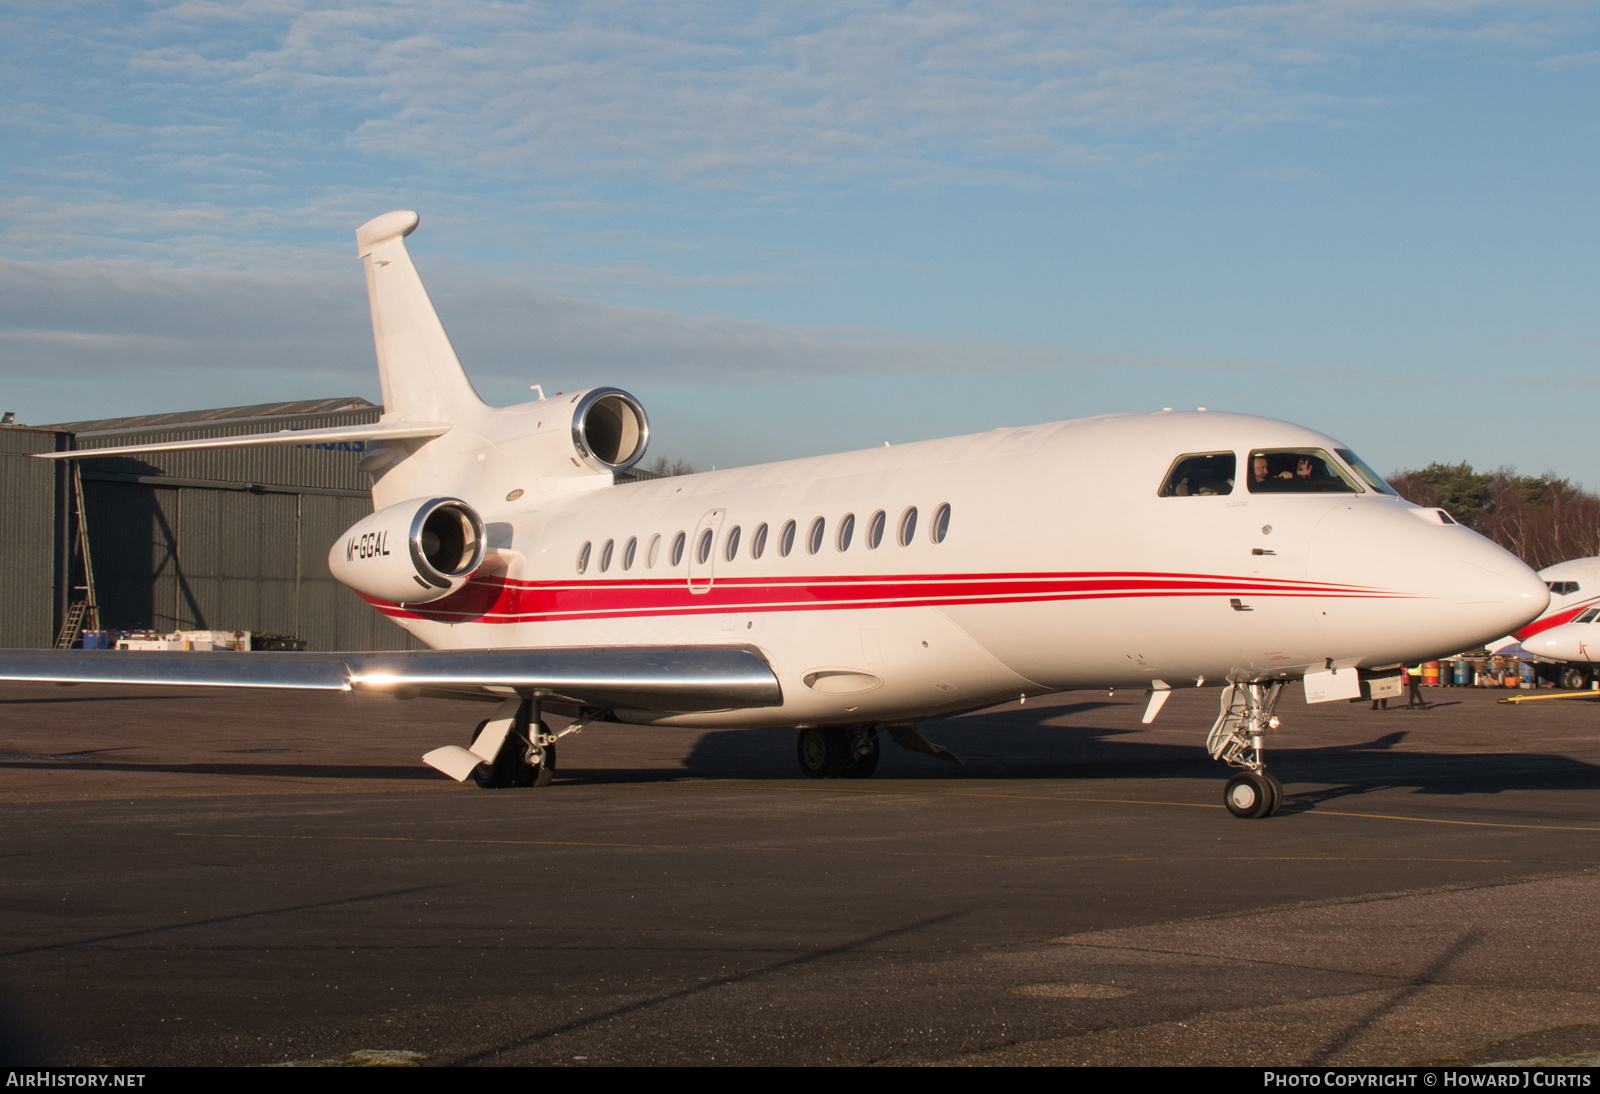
x: 229, y: 539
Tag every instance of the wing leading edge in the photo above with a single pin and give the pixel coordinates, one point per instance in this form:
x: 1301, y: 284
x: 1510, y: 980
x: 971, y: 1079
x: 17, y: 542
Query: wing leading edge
x: 375, y: 431
x: 666, y: 678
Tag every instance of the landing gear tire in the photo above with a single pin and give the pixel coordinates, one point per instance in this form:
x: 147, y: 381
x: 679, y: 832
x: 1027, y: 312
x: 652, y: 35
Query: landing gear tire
x: 1277, y: 794
x: 1574, y: 680
x: 513, y: 767
x: 1248, y: 795
x: 862, y: 761
x: 824, y: 752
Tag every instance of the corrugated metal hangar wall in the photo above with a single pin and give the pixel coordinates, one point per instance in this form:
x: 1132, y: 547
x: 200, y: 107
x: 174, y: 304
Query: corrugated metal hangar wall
x: 231, y: 539
x: 32, y: 560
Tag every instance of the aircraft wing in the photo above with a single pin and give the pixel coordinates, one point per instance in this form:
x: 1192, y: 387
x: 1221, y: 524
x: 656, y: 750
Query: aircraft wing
x: 375, y: 431
x: 667, y: 678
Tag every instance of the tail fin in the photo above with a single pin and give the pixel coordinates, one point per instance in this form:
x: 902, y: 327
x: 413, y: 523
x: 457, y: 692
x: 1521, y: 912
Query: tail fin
x: 421, y: 375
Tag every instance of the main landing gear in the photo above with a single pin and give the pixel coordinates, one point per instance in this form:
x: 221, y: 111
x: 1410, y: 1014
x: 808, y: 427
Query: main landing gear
x: 526, y: 758
x: 838, y: 752
x: 1237, y: 739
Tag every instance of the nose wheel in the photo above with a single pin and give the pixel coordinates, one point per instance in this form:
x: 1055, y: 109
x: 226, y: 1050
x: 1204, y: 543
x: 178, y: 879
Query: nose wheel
x: 1239, y: 739
x: 1250, y: 795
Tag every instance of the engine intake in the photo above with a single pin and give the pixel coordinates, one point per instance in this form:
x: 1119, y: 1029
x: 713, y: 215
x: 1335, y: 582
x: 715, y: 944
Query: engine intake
x: 412, y: 553
x: 609, y: 429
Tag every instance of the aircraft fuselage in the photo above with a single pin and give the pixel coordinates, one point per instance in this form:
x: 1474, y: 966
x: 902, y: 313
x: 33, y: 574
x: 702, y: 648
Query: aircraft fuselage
x: 1061, y: 566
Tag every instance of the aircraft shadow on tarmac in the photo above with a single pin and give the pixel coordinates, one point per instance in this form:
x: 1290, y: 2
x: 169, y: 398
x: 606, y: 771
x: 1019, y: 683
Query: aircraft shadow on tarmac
x: 1009, y: 744
x: 1017, y: 744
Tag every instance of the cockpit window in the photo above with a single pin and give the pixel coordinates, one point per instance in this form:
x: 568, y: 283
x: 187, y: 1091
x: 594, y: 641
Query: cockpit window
x: 1562, y: 588
x: 1368, y: 475
x: 1588, y: 616
x: 1297, y: 471
x: 1201, y: 474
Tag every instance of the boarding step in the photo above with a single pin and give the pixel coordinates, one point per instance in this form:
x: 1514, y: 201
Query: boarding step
x: 72, y: 624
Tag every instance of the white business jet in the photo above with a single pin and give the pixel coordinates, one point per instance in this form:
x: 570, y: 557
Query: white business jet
x: 1567, y: 631
x: 840, y: 594
x: 1574, y: 588
x: 1576, y: 641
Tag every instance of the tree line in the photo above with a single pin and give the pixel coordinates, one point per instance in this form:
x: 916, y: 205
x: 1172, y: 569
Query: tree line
x: 1542, y: 519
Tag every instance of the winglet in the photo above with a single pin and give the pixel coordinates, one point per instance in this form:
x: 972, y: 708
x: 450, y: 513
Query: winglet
x: 395, y: 225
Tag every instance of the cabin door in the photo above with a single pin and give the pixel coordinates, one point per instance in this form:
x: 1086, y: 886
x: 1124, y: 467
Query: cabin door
x: 703, y: 551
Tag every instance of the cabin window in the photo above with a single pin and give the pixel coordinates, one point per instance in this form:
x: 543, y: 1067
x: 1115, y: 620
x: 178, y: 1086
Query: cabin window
x: 677, y: 548
x: 654, y: 552
x: 908, y: 526
x: 1368, y: 475
x: 629, y: 551
x: 1200, y: 475
x: 1297, y: 471
x: 875, y: 529
x: 786, y: 539
x: 758, y: 541
x: 847, y: 528
x: 1588, y: 616
x: 730, y: 547
x: 583, y: 557
x: 941, y: 523
x: 703, y: 549
x: 605, y: 555
x: 814, y: 537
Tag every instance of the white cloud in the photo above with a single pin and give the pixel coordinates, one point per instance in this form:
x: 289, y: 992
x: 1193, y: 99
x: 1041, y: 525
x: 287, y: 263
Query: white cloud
x: 727, y: 94
x: 126, y: 327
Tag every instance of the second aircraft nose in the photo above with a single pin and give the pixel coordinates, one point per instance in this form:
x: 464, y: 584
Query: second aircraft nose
x: 1568, y: 642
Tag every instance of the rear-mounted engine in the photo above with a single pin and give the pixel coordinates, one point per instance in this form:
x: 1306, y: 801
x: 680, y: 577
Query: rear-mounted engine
x: 411, y: 553
x: 609, y: 429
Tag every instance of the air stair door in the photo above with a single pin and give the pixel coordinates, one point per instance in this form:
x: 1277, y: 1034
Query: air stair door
x: 703, y: 547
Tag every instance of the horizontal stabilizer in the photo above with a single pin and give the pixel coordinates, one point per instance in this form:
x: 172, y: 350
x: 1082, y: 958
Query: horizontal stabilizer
x: 664, y: 678
x: 375, y: 432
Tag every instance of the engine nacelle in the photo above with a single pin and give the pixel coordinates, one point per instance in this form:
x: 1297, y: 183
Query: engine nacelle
x: 411, y: 553
x: 609, y: 429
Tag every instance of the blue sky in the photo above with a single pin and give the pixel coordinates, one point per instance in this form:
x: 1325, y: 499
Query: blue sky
x: 804, y: 228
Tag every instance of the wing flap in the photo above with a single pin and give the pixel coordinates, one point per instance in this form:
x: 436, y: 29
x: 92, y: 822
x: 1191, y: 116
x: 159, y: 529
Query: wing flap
x: 668, y: 678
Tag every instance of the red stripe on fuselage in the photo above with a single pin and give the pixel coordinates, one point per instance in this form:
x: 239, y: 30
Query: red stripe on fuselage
x: 495, y: 600
x: 1555, y: 619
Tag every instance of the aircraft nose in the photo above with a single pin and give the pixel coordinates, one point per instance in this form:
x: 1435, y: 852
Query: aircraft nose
x: 1568, y: 642
x: 1421, y: 587
x: 1505, y: 598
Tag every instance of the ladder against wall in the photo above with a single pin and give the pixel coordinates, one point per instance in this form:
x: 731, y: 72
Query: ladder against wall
x: 84, y: 610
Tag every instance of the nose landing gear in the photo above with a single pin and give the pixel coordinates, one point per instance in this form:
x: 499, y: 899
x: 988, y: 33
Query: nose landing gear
x: 1238, y: 739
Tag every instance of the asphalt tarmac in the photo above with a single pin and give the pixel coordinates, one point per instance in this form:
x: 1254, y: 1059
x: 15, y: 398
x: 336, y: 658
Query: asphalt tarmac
x: 249, y: 878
